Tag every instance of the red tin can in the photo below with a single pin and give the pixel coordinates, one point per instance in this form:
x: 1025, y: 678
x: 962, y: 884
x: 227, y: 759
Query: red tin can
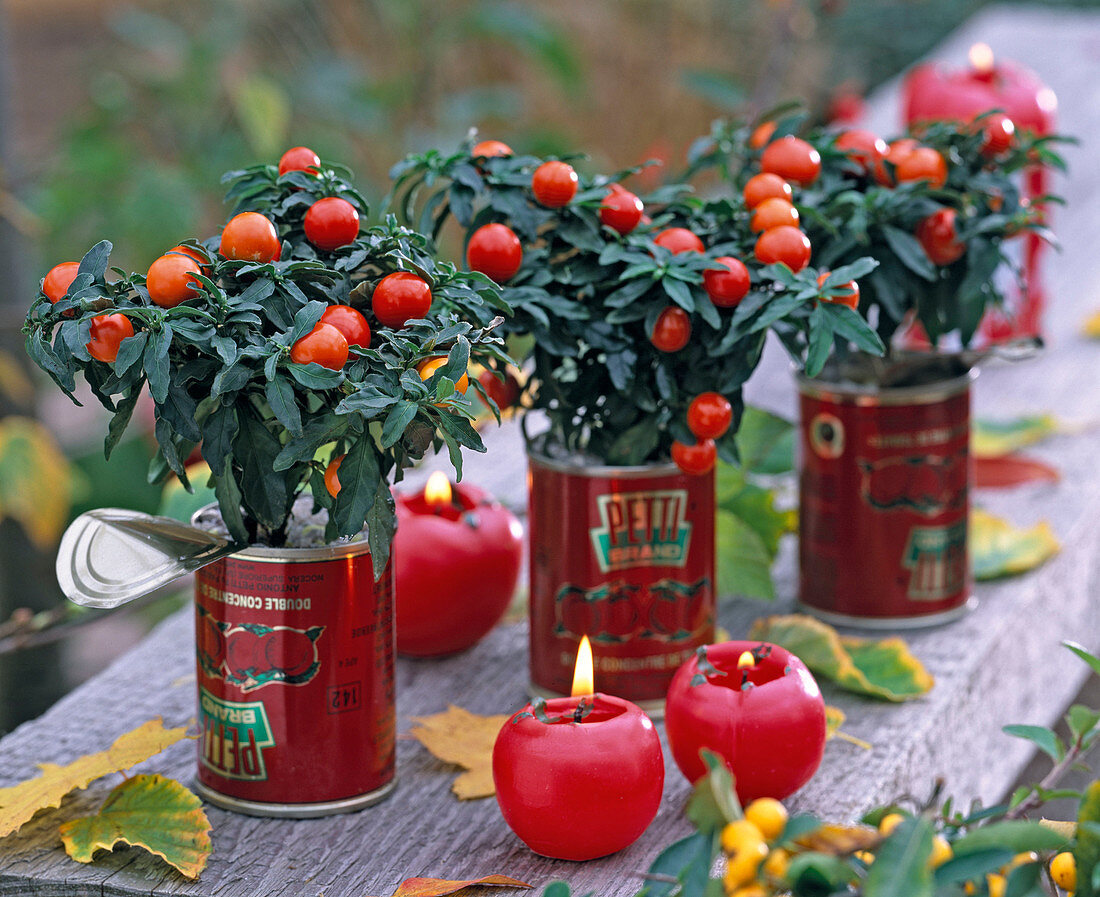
x: 294, y: 655
x: 624, y: 555
x: 884, y: 502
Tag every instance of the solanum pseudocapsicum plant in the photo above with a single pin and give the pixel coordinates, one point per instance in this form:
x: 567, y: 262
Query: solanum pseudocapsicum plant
x: 294, y: 329
x: 635, y: 309
x: 935, y: 207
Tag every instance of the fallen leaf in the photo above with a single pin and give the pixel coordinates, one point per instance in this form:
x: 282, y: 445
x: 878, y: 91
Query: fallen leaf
x: 1011, y: 470
x: 882, y: 668
x: 148, y: 811
x: 438, y: 887
x: 35, y: 480
x: 464, y: 739
x: 839, y: 840
x: 19, y: 803
x: 997, y: 548
x: 992, y: 439
x: 834, y: 719
x: 1091, y: 327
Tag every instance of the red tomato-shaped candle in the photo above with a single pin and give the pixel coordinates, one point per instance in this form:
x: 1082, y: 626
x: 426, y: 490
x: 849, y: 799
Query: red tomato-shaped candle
x: 766, y: 719
x: 579, y: 790
x: 456, y: 564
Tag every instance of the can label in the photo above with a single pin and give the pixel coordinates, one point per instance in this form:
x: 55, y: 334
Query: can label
x: 629, y: 562
x: 295, y: 675
x: 884, y: 504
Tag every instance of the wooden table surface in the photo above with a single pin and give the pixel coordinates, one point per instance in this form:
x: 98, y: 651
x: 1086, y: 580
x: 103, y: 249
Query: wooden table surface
x: 1000, y: 664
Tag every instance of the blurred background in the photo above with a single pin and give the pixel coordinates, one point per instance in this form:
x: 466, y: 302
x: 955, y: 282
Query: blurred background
x: 118, y: 118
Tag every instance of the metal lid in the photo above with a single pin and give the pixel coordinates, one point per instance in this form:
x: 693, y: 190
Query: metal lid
x: 110, y: 556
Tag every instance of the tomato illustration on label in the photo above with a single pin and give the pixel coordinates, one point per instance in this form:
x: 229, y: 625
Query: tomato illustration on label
x: 619, y: 611
x: 251, y: 655
x: 926, y: 484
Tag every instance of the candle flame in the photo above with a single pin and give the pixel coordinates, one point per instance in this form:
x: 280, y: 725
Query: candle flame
x: 981, y: 57
x: 584, y: 679
x: 438, y: 489
x: 746, y: 660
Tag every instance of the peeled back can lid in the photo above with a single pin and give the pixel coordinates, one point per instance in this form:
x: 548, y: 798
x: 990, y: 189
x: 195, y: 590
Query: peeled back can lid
x: 110, y: 556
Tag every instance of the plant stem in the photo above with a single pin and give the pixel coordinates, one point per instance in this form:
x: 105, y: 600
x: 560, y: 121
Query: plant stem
x: 1049, y: 781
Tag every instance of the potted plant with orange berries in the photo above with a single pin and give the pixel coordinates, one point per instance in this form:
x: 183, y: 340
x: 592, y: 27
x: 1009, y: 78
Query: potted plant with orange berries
x: 885, y: 440
x: 310, y: 357
x: 627, y: 320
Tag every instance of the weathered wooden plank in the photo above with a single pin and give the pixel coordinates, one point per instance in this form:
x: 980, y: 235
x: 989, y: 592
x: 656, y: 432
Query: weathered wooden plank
x: 999, y: 664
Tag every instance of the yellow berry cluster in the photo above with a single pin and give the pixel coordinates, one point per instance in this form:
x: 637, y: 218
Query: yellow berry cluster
x: 746, y: 844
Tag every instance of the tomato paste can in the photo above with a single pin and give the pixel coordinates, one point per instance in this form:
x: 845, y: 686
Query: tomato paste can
x: 884, y: 502
x: 295, y: 668
x: 624, y: 555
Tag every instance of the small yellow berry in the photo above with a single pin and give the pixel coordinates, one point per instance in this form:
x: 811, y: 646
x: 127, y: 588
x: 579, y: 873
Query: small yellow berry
x: 768, y: 815
x: 970, y: 889
x: 995, y: 884
x: 1063, y: 869
x: 775, y: 866
x: 890, y: 822
x: 744, y: 844
x: 865, y: 857
x: 750, y: 891
x: 739, y: 834
x: 941, y: 852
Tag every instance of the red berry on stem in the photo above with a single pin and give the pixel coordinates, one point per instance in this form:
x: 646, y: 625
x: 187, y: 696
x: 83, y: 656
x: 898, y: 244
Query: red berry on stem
x: 331, y: 223
x: 709, y: 415
x: 697, y: 459
x: 726, y: 285
x: 672, y: 330
x: 554, y: 184
x: 400, y: 297
x: 495, y: 251
x: 621, y: 210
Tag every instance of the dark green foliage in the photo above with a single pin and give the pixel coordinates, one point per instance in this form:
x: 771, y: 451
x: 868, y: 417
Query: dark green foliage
x: 219, y: 370
x: 588, y: 299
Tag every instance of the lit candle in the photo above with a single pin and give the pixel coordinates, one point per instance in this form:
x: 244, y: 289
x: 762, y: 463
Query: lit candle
x: 456, y: 556
x: 758, y: 707
x: 579, y: 777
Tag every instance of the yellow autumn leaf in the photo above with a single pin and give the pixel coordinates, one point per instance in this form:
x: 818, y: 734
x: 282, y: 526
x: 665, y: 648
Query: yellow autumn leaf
x: 35, y: 480
x: 14, y: 382
x: 993, y: 439
x: 834, y: 719
x: 464, y: 739
x: 998, y: 548
x: 19, y: 803
x: 1091, y: 327
x: 148, y: 811
x: 881, y: 668
x: 440, y: 887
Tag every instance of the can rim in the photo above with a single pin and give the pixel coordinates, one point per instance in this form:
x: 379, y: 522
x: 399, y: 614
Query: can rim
x: 862, y: 394
x: 658, y: 468
x: 286, y: 555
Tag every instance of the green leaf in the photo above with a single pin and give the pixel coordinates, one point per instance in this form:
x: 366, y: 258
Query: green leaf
x: 229, y: 502
x: 381, y: 525
x: 901, y: 868
x: 819, y: 873
x: 359, y: 477
x: 681, y: 860
x: 713, y: 802
x: 124, y: 410
x: 148, y: 811
x: 765, y: 442
x: 973, y: 866
x: 1016, y: 835
x: 1091, y: 659
x: 399, y: 417
x: 743, y: 561
x: 1086, y: 851
x: 284, y: 404
x: 1043, y: 738
x: 882, y: 668
x: 909, y: 251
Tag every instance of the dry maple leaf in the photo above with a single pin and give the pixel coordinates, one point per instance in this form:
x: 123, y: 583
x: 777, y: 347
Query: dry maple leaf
x: 464, y: 739
x: 439, y: 887
x: 19, y: 803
